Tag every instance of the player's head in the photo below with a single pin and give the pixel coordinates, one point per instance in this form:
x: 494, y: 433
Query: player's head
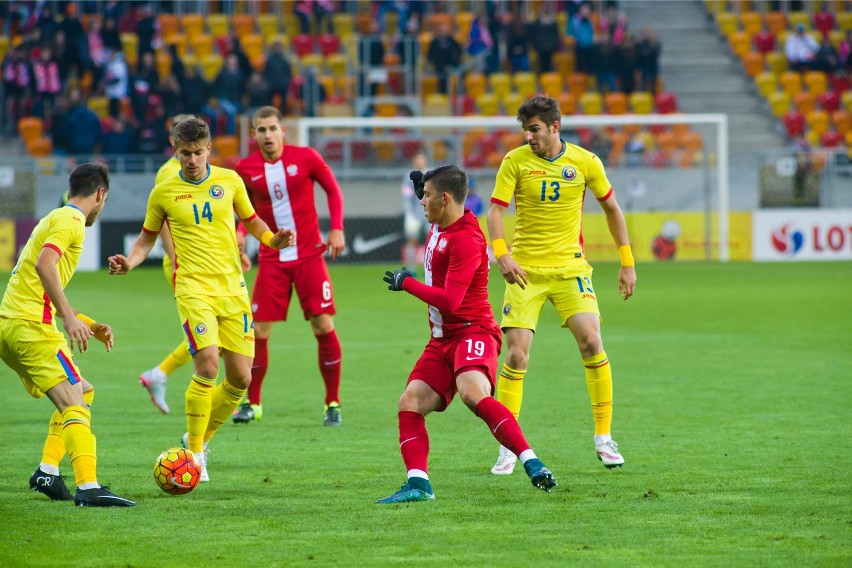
x: 540, y: 118
x: 89, y: 182
x: 177, y: 119
x: 192, y: 147
x: 444, y: 192
x: 267, y: 129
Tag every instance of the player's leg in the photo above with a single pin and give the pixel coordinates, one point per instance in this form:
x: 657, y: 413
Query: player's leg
x: 154, y: 380
x: 228, y: 394
x: 252, y: 409
x: 316, y: 296
x: 417, y: 400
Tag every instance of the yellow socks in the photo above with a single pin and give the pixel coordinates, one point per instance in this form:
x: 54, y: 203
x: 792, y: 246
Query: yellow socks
x: 177, y: 358
x: 78, y: 437
x: 599, y: 383
x: 510, y: 388
x: 199, y: 400
x: 54, y: 445
x: 226, y: 397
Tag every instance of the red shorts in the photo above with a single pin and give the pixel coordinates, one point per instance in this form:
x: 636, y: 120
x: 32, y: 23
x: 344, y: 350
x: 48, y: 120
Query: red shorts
x: 445, y: 359
x: 274, y: 285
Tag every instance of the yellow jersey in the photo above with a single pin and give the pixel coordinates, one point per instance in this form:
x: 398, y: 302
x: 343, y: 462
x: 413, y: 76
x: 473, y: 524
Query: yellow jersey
x: 63, y: 230
x: 549, y: 201
x: 201, y: 218
x: 167, y: 170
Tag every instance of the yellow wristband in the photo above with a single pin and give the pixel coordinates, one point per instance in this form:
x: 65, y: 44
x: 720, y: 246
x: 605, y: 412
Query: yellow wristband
x: 626, y: 255
x: 500, y: 248
x: 266, y: 238
x: 86, y: 320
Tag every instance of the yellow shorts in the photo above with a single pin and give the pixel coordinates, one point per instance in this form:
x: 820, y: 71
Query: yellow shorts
x: 39, y: 353
x: 568, y: 289
x: 224, y: 321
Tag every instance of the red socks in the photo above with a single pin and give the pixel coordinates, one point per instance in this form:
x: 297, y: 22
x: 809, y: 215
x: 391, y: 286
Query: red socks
x: 413, y: 440
x: 258, y: 369
x: 503, y: 425
x: 329, y: 365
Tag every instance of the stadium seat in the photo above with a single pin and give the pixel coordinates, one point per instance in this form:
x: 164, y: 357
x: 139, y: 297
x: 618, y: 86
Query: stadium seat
x: 794, y: 124
x: 210, y: 66
x: 791, y: 83
x: 563, y: 62
x: 464, y: 22
x: 846, y: 100
x: 500, y: 84
x: 829, y: 101
x: 525, y: 84
x: 252, y: 45
x: 766, y: 83
x: 666, y: 142
x: 487, y: 104
x: 665, y: 103
x: 567, y: 103
x: 616, y: 103
x: 268, y: 25
x: 779, y: 104
x: 753, y: 63
x: 202, y: 45
x: 776, y: 62
x: 343, y: 25
x: 312, y: 60
x: 40, y: 147
x: 30, y: 128
x: 226, y: 146
x: 511, y: 102
x: 740, y: 43
x: 798, y: 17
x: 824, y: 22
x: 591, y: 102
x: 437, y: 104
x: 475, y: 85
x: 328, y: 44
x: 577, y: 84
x: 303, y: 44
x: 437, y: 20
x: 192, y: 24
x: 641, y: 102
x: 551, y: 83
x: 180, y: 43
x: 4, y: 46
x: 816, y: 82
x: 842, y: 121
x: 130, y: 47
x: 363, y: 23
x: 804, y: 102
x: 511, y: 140
x: 817, y: 121
x: 163, y: 63
x: 844, y: 21
x: 243, y: 24
x: 217, y: 24
x: 764, y: 42
x: 385, y: 110
x: 751, y: 23
x: 336, y: 63
x: 727, y: 22
x: 831, y: 139
x: 776, y: 22
x: 168, y: 24
x: 428, y: 86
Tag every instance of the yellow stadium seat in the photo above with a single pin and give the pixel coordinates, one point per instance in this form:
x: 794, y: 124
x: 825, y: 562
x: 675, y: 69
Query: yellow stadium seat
x: 525, y: 84
x: 487, y: 104
x: 268, y: 25
x: 436, y: 104
x: 163, y: 63
x: 740, y: 43
x: 464, y: 21
x: 336, y: 63
x: 193, y: 24
x: 777, y: 62
x: 791, y: 83
x: 817, y: 121
x: 751, y: 23
x: 727, y: 22
x: 844, y: 21
x: 836, y: 37
x: 500, y: 84
x: 99, y: 106
x: 428, y: 86
x: 385, y: 110
x: 591, y: 103
x: 130, y: 47
x: 799, y: 18
x: 475, y: 85
x: 218, y: 25
x: 779, y: 103
x: 343, y: 24
x: 252, y: 45
x: 4, y: 46
x: 563, y: 62
x: 816, y: 82
x: 766, y: 83
x: 551, y: 83
x: 179, y: 41
x: 243, y: 24
x: 846, y: 100
x: 210, y: 66
x: 202, y: 45
x: 641, y: 102
x: 312, y: 60
x: 511, y: 102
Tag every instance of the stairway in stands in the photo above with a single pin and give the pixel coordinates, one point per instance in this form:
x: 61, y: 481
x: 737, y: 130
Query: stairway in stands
x: 697, y: 67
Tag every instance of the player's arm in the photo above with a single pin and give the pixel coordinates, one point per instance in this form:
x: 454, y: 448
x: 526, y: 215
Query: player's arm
x: 120, y: 264
x: 245, y: 261
x: 325, y: 177
x: 509, y: 267
x: 257, y: 228
x: 47, y: 272
x: 618, y: 229
x: 168, y: 243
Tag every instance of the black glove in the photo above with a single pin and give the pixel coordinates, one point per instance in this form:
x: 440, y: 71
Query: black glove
x: 416, y: 178
x: 396, y: 278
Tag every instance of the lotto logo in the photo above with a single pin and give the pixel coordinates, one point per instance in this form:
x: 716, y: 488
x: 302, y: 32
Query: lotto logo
x: 788, y: 240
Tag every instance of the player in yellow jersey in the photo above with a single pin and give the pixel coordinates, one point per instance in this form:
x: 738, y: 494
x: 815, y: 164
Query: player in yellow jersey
x: 548, y: 178
x: 32, y: 345
x: 213, y: 303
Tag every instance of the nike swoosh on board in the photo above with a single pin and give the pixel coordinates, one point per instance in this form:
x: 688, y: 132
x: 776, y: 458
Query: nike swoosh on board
x: 364, y: 246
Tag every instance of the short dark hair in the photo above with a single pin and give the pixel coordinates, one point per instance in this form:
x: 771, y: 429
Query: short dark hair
x: 543, y: 107
x: 266, y: 112
x: 177, y: 119
x: 190, y: 131
x: 448, y: 179
x: 87, y: 178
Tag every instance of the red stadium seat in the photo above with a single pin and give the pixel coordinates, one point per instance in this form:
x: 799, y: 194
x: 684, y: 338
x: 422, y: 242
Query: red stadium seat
x: 328, y: 44
x: 839, y: 83
x: 824, y: 22
x: 764, y: 42
x: 665, y: 103
x: 829, y: 101
x: 832, y: 139
x: 794, y: 123
x: 303, y: 44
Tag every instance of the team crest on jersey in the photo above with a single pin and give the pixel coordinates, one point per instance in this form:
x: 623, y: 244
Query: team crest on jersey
x: 442, y: 244
x: 569, y: 173
x: 216, y: 192
x: 292, y: 170
x: 200, y: 328
x: 506, y: 309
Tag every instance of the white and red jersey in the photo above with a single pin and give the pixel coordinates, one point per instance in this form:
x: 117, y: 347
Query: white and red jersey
x: 283, y: 196
x: 456, y: 260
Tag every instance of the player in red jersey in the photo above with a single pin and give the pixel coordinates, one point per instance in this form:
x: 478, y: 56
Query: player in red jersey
x: 461, y: 355
x: 280, y: 180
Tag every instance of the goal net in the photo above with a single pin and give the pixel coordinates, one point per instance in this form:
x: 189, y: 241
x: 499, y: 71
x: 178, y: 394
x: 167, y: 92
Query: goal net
x: 669, y: 172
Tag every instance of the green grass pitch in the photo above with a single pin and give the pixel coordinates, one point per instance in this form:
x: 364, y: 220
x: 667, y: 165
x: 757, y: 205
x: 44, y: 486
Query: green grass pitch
x: 732, y: 397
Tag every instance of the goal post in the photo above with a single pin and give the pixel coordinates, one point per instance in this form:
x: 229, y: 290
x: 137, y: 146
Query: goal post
x: 674, y: 173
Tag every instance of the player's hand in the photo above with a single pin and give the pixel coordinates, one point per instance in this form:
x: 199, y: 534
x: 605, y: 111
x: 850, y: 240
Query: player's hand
x: 77, y: 332
x: 283, y: 238
x: 103, y: 333
x: 396, y: 278
x: 245, y: 262
x: 626, y: 281
x: 336, y: 243
x: 512, y: 271
x: 118, y: 264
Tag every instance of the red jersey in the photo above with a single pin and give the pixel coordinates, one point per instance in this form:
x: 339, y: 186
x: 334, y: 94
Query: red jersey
x: 283, y: 196
x: 456, y: 270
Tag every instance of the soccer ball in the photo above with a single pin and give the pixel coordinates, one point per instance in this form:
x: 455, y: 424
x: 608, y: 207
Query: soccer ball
x: 176, y: 471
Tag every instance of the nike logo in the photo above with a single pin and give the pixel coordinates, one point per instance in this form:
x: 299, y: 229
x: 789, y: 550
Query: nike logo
x: 335, y: 362
x: 498, y: 425
x: 255, y: 178
x: 325, y: 304
x: 408, y: 440
x: 365, y: 246
x: 174, y: 481
x: 473, y: 358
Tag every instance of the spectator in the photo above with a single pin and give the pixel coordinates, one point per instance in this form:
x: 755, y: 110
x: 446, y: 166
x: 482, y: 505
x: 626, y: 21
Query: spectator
x: 47, y: 83
x: 844, y: 52
x: 119, y: 139
x: 169, y: 91
x: 444, y: 55
x: 649, y: 49
x: 109, y: 35
x: 153, y: 137
x: 615, y: 24
x: 801, y: 50
x: 481, y: 46
x: 581, y: 29
x: 195, y: 91
x: 75, y: 39
x: 312, y: 93
x: 96, y: 56
x: 627, y: 64
x: 143, y: 85
x: 116, y: 81
x: 318, y: 11
x: 258, y: 93
x: 473, y: 202
x: 47, y: 22
x: 545, y: 38
x: 236, y: 48
x: 517, y: 41
x: 17, y: 83
x: 827, y: 58
x: 61, y: 53
x: 278, y: 74
x: 82, y: 127
x: 146, y: 29
x: 371, y: 55
x: 604, y: 65
x: 228, y: 89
